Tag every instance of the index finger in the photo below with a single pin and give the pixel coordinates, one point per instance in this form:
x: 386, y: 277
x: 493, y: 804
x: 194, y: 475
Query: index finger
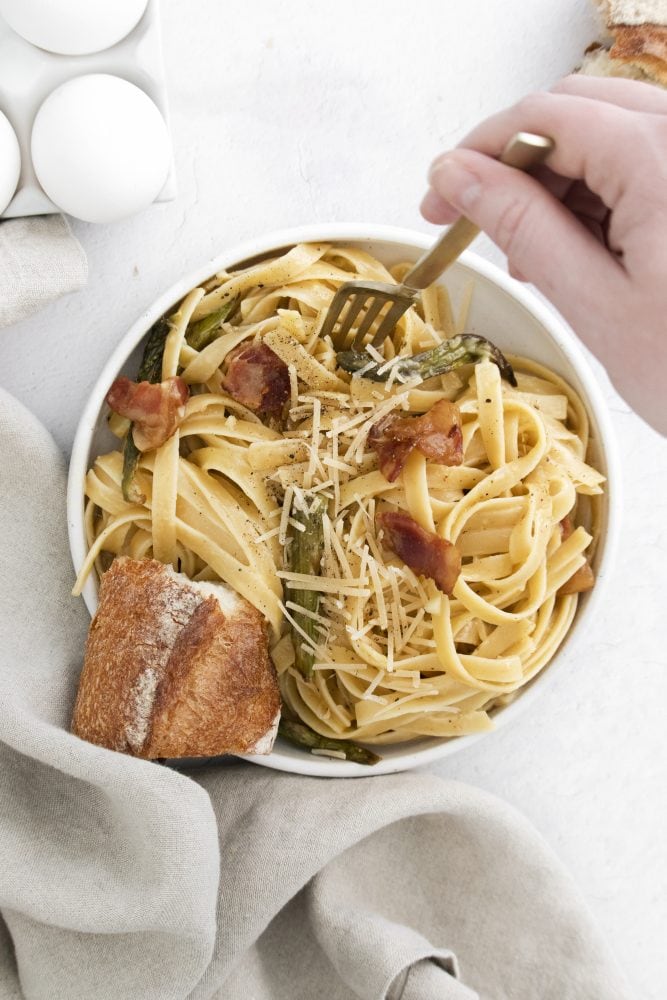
x: 633, y: 95
x: 589, y: 136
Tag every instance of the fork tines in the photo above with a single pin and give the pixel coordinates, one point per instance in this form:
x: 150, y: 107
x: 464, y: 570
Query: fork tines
x: 373, y: 297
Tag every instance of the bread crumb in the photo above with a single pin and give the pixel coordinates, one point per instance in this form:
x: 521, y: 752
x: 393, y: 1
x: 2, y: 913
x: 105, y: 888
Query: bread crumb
x: 142, y: 698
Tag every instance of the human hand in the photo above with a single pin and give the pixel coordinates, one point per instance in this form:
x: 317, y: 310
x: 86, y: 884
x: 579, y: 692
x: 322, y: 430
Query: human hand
x: 590, y: 229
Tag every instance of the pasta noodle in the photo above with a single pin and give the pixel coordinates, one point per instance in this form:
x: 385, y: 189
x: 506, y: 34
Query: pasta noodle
x: 394, y: 658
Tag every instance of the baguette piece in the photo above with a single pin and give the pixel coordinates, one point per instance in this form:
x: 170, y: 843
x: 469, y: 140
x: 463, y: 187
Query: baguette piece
x: 175, y: 668
x: 632, y: 11
x: 598, y: 62
x: 637, y: 46
x: 643, y: 46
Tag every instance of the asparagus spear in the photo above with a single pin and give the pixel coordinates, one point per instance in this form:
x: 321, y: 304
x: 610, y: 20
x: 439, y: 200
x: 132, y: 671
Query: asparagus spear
x: 304, y: 555
x: 131, y: 453
x: 303, y: 736
x: 465, y: 349
x: 150, y: 370
x: 204, y: 332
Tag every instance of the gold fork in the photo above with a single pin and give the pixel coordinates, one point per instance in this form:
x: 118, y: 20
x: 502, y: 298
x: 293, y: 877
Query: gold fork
x: 523, y: 151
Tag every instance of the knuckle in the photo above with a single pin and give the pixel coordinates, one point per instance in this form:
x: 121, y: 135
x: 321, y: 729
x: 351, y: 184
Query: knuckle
x: 569, y: 84
x: 647, y: 136
x: 657, y: 128
x: 513, y: 226
x: 532, y: 105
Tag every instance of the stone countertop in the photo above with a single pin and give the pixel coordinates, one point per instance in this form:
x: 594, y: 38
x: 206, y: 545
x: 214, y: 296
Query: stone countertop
x: 302, y: 113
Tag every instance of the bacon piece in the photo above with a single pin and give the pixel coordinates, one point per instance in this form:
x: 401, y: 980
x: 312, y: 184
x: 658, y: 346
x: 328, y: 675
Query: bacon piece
x: 155, y: 408
x: 437, y: 435
x: 566, y: 528
x: 582, y: 579
x: 258, y: 378
x: 423, y: 551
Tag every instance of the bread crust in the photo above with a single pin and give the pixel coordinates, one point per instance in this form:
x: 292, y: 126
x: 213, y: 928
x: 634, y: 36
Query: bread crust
x: 643, y: 45
x: 598, y: 62
x: 219, y: 693
x: 637, y: 42
x: 167, y: 673
x: 632, y: 11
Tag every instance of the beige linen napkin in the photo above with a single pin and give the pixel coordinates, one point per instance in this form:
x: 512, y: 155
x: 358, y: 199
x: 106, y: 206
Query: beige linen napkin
x: 40, y: 260
x: 124, y: 880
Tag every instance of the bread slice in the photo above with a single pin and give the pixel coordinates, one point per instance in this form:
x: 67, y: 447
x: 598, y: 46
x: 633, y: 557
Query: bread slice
x: 598, y: 62
x: 632, y: 11
x: 175, y: 668
x: 637, y: 47
x: 643, y: 46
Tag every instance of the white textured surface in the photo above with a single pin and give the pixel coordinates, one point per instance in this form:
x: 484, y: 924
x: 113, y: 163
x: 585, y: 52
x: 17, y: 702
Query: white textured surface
x: 286, y: 116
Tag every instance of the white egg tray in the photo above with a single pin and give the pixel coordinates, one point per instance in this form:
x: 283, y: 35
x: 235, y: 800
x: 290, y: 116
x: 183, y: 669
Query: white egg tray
x: 28, y: 75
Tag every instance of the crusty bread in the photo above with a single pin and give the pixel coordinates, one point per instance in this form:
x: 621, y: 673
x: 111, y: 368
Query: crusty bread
x: 598, y: 62
x: 632, y: 11
x: 175, y: 668
x: 642, y: 45
x: 637, y: 46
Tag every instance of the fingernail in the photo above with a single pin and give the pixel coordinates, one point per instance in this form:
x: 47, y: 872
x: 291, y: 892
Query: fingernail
x: 455, y: 183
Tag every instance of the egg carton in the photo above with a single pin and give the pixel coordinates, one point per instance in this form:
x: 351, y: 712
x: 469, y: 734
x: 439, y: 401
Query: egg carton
x: 28, y: 75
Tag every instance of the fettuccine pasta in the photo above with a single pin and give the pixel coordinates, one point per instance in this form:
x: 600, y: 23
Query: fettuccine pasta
x: 393, y: 658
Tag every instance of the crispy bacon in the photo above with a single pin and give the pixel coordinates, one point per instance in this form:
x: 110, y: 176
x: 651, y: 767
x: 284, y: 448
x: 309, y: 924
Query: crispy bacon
x: 258, y: 378
x: 155, y: 408
x: 423, y: 551
x: 583, y: 578
x: 566, y: 528
x: 437, y: 435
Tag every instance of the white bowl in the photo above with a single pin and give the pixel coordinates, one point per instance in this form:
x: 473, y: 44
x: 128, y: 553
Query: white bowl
x: 502, y: 310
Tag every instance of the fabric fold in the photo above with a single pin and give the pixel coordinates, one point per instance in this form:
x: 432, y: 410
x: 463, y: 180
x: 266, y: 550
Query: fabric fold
x: 40, y: 260
x: 121, y: 879
x: 109, y: 865
x: 428, y: 979
x: 376, y: 957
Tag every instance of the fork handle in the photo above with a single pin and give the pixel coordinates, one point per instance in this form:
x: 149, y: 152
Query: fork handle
x: 523, y: 151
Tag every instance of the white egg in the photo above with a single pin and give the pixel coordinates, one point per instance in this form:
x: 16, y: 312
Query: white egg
x: 72, y: 27
x: 100, y: 148
x: 10, y: 162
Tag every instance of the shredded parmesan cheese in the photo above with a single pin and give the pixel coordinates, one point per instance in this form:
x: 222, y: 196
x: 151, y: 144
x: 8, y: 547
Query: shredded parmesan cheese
x: 285, y: 515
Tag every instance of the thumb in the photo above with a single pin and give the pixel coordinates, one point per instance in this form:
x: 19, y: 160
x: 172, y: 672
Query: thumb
x: 544, y: 242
